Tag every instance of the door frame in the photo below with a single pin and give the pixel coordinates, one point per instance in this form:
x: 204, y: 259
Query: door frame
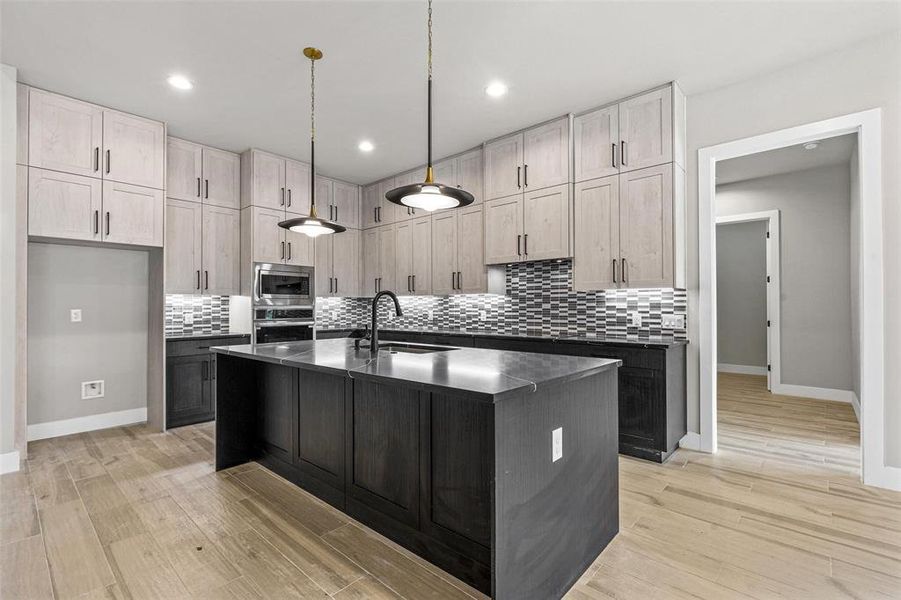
x: 773, y: 289
x: 868, y: 127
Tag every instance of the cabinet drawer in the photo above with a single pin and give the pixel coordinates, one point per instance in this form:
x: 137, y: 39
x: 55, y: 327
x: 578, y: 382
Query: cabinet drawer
x: 202, y: 346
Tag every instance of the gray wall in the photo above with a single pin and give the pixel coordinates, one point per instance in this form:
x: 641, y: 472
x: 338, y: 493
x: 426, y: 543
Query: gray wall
x: 815, y: 271
x: 110, y: 287
x: 7, y: 257
x: 741, y: 293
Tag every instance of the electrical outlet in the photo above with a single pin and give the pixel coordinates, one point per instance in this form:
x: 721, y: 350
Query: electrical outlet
x: 189, y: 318
x: 483, y: 315
x: 431, y: 315
x: 92, y: 389
x: 673, y: 322
x: 557, y: 444
x: 635, y: 319
x: 75, y: 315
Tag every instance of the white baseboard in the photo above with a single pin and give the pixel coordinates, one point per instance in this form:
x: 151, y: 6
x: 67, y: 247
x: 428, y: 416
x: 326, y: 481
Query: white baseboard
x: 804, y: 391
x: 855, y: 404
x: 887, y: 477
x: 9, y: 462
x: 51, y: 429
x: 741, y: 369
x: 691, y: 441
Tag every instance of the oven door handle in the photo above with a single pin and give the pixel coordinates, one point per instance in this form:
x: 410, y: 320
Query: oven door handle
x: 283, y: 323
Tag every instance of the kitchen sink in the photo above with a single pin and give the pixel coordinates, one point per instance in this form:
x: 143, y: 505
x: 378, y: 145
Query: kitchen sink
x: 410, y: 348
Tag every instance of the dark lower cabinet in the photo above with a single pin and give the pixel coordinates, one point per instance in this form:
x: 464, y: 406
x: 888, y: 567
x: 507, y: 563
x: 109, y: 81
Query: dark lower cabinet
x: 189, y: 395
x: 277, y: 386
x: 319, y: 449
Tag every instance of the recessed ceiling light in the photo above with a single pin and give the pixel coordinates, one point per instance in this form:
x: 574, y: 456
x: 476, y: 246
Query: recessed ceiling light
x: 366, y: 146
x: 496, y: 89
x: 180, y: 82
x: 811, y: 145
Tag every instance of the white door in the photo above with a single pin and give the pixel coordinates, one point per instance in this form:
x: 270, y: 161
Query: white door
x: 469, y: 174
x: 646, y: 130
x: 421, y: 281
x: 503, y: 230
x: 221, y: 251
x: 596, y: 234
x: 646, y: 227
x: 297, y: 185
x: 184, y: 171
x: 268, y: 175
x: 403, y: 257
x: 322, y: 259
x: 388, y: 277
x: 134, y: 149
x: 546, y: 155
x: 62, y: 205
x: 596, y: 143
x: 184, y: 246
x: 369, y: 203
x: 299, y: 249
x: 346, y: 263
x: 444, y: 253
x: 132, y: 214
x: 471, y: 273
x: 221, y: 178
x: 267, y: 237
x: 369, y: 284
x: 345, y: 200
x: 503, y: 167
x: 545, y: 215
x: 64, y: 134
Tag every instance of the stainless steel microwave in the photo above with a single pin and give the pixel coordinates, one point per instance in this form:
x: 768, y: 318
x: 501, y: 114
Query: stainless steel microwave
x: 283, y: 285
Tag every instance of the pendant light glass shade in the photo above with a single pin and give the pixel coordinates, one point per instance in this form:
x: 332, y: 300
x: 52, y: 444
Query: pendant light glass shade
x: 430, y: 195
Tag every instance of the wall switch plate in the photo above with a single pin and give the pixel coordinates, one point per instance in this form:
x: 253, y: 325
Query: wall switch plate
x: 92, y: 389
x: 189, y: 318
x: 557, y: 444
x: 673, y: 321
x: 635, y: 319
x: 75, y: 315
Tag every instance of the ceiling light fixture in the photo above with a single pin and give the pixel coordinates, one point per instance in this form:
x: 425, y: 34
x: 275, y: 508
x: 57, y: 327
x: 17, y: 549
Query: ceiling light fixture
x: 430, y: 195
x: 496, y: 89
x: 366, y: 146
x: 811, y: 145
x: 180, y: 82
x: 312, y: 226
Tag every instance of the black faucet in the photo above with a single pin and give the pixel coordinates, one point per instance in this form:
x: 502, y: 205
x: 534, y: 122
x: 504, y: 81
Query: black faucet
x: 374, y: 331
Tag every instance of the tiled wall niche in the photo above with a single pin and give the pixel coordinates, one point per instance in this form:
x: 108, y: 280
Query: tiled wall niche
x: 210, y: 314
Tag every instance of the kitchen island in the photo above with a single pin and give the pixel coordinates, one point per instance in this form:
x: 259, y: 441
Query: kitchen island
x: 499, y: 467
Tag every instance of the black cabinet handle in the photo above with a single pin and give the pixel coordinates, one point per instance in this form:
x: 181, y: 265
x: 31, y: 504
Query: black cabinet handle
x: 459, y: 280
x: 283, y: 197
x: 206, y: 278
x: 518, y: 170
x: 525, y: 244
x: 206, y: 185
x: 289, y: 250
x: 622, y: 152
x: 198, y: 279
x: 283, y: 250
x: 453, y: 281
x: 518, y: 240
x: 107, y: 162
x: 525, y: 176
x: 96, y: 158
x: 613, y: 155
x: 380, y: 284
x: 614, y: 270
x: 379, y: 213
x: 410, y: 283
x: 289, y: 196
x: 624, y: 275
x: 375, y: 215
x: 414, y: 284
x: 107, y: 222
x: 336, y: 285
x: 96, y: 222
x: 198, y: 187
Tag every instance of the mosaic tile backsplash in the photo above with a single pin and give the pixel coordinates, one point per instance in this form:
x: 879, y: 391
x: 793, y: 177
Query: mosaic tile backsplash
x: 210, y: 314
x: 538, y: 300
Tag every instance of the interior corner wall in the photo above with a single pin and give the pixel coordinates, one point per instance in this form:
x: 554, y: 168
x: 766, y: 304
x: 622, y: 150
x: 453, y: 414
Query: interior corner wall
x: 8, y: 258
x: 854, y: 79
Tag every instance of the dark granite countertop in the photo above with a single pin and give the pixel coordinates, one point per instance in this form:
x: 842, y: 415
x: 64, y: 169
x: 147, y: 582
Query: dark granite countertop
x: 483, y: 373
x: 585, y: 338
x: 203, y: 336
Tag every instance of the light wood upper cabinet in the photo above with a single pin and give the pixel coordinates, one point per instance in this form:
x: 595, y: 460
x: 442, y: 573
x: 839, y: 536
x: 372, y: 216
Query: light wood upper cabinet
x: 325, y: 197
x: 62, y: 205
x: 369, y: 204
x: 646, y: 130
x: 405, y: 213
x: 387, y: 264
x: 184, y: 170
x: 346, y: 263
x: 346, y: 203
x: 388, y: 211
x: 64, y: 134
x: 546, y: 155
x: 134, y: 150
x: 422, y: 256
x: 503, y: 167
x: 322, y: 263
x: 444, y: 252
x: 22, y: 124
x: 545, y: 217
x: 184, y: 247
x: 646, y: 227
x: 503, y: 230
x: 596, y: 253
x: 297, y: 188
x: 298, y: 248
x: 369, y: 284
x: 403, y: 257
x: 596, y: 142
x: 264, y: 175
x: 221, y: 178
x: 267, y: 243
x: 221, y: 250
x: 472, y: 276
x: 132, y: 214
x: 468, y: 173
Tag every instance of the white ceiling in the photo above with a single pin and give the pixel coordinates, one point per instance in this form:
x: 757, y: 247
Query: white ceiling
x: 831, y: 151
x: 252, y: 82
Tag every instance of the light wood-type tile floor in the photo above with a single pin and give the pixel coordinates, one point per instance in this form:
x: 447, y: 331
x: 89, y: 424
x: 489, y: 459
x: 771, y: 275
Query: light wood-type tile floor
x: 777, y: 513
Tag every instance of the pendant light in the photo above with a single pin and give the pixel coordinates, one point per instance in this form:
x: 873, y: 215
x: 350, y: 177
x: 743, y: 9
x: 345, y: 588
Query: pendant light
x: 429, y: 195
x: 312, y: 226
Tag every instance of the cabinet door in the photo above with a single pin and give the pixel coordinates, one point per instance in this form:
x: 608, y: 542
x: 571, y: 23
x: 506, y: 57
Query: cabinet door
x: 134, y: 150
x: 132, y: 214
x: 320, y: 426
x: 323, y: 264
x: 298, y: 249
x: 22, y: 124
x: 346, y: 263
x: 646, y: 130
x: 268, y: 238
x: 189, y: 396
x: 444, y: 252
x: 640, y: 415
x: 646, y: 227
x: 278, y: 393
x: 388, y: 277
x: 546, y: 223
x: 369, y: 203
x: 221, y: 178
x: 503, y: 230
x: 469, y: 174
x: 388, y: 211
x: 184, y: 170
x: 405, y: 213
x: 297, y: 185
x: 546, y: 155
x: 221, y: 251
x: 471, y: 276
x: 346, y: 198
x: 403, y: 257
x: 184, y: 246
x: 422, y: 256
x: 62, y: 205
x: 64, y: 134
x: 369, y: 284
x: 268, y: 180
x: 596, y: 234
x: 503, y: 167
x: 596, y: 141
